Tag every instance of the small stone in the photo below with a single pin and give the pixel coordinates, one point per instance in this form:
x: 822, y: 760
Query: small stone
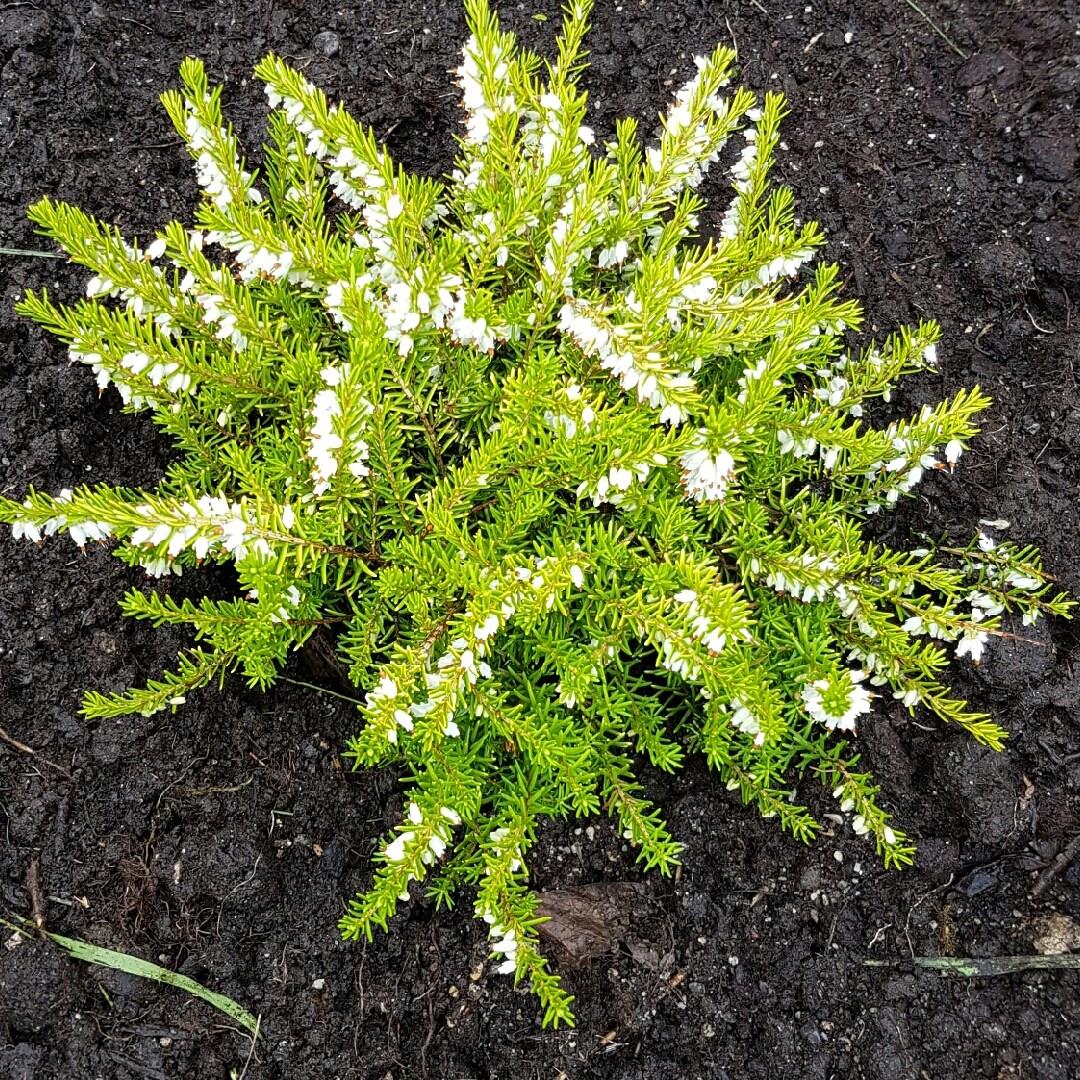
x: 1055, y: 934
x: 318, y: 984
x: 327, y: 42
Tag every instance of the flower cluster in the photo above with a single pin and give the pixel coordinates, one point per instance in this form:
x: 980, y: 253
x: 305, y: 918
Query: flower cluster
x: 216, y: 314
x: 836, y: 704
x: 463, y: 664
x: 79, y: 530
x: 208, y: 525
x: 706, y: 475
x: 696, y: 143
x: 704, y: 629
x: 484, y: 90
x: 105, y: 373
x: 203, y: 142
x: 505, y: 852
x: 506, y: 944
x: 332, y: 443
x: 645, y: 375
x: 614, y: 486
x: 808, y: 577
x: 437, y: 831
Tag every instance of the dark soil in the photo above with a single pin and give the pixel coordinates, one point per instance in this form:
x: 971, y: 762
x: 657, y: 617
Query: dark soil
x: 223, y: 842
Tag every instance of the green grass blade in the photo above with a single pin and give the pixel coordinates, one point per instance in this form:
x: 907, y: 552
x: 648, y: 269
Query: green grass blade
x: 133, y: 965
x: 28, y: 252
x: 971, y: 967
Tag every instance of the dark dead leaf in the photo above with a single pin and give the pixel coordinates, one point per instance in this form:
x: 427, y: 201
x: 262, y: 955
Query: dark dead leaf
x: 589, y: 920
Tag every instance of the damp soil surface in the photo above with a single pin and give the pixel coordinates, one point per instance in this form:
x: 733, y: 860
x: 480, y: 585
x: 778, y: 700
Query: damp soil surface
x: 223, y: 842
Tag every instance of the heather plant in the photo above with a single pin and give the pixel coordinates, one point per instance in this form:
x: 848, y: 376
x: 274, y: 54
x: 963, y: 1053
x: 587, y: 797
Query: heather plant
x: 572, y: 489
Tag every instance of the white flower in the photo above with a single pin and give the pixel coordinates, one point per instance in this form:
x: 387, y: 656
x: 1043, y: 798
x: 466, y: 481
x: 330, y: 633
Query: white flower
x: 1022, y: 581
x: 858, y: 702
x: 802, y: 446
x: 953, y: 449
x: 705, y: 475
x: 743, y: 719
x: 972, y: 644
x: 985, y: 604
x: 480, y: 110
x: 507, y: 945
x: 613, y: 256
x: 19, y: 529
x: 158, y: 568
x: 395, y: 850
x: 99, y: 286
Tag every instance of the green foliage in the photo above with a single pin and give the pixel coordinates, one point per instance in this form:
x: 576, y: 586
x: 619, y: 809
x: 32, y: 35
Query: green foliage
x: 571, y: 488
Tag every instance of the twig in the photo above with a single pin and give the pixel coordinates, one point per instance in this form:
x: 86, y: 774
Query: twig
x: 937, y: 30
x: 35, y: 894
x: 235, y: 889
x: 15, y: 743
x: 1063, y: 859
x: 1031, y: 319
x: 23, y: 748
x: 320, y: 689
x: 251, y: 1051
